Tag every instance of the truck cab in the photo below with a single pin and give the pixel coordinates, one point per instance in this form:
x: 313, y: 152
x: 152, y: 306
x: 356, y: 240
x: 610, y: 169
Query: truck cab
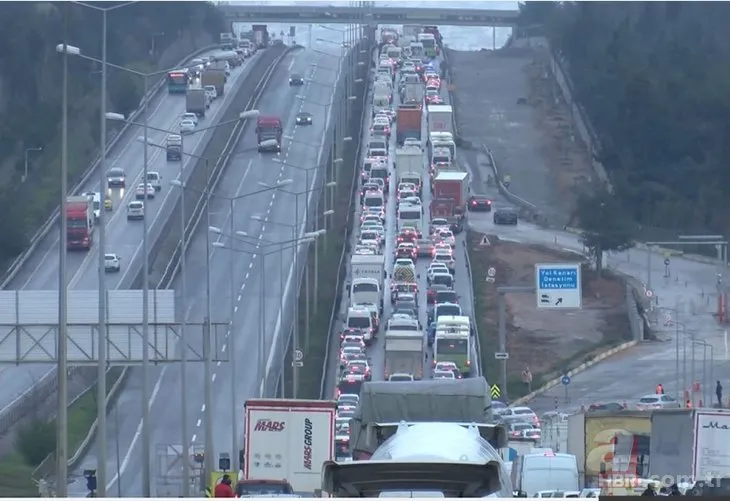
x: 173, y: 147
x: 268, y: 133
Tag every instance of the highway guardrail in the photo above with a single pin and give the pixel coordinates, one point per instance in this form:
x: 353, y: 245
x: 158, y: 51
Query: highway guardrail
x: 39, y: 235
x: 173, y: 265
x: 342, y: 265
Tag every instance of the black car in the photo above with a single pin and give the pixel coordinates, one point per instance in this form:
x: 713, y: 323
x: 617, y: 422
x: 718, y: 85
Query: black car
x: 304, y: 118
x: 296, y: 79
x: 116, y: 177
x: 480, y: 203
x: 505, y: 216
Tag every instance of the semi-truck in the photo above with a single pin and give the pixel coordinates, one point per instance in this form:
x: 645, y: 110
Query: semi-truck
x: 79, y: 222
x: 408, y: 118
x: 260, y: 35
x: 449, y: 192
x: 196, y: 101
x: 403, y: 350
x: 216, y: 78
x: 384, y: 404
x: 440, y: 118
x: 288, y: 439
x: 268, y: 133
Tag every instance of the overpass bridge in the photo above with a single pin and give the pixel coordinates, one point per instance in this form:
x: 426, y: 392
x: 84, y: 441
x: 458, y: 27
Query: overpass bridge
x: 320, y: 14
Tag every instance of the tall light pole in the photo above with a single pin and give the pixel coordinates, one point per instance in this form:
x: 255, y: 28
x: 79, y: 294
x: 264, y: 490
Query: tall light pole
x: 208, y: 412
x: 305, y: 238
x: 62, y: 369
x: 186, y: 445
x: 146, y: 434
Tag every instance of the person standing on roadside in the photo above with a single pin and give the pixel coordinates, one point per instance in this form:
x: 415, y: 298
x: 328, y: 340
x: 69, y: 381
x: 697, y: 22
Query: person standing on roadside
x: 718, y: 393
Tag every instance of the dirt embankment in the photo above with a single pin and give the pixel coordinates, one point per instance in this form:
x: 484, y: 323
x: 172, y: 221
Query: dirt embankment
x: 546, y: 341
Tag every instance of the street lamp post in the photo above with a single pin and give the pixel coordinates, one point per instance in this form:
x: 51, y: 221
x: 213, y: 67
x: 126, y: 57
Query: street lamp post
x: 232, y: 325
x: 186, y: 446
x: 146, y: 435
x: 306, y: 238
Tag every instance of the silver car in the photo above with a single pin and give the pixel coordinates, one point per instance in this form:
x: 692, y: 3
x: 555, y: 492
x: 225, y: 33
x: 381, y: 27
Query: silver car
x: 654, y: 401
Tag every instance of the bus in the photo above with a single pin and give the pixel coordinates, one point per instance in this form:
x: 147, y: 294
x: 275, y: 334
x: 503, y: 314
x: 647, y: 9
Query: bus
x: 177, y: 82
x: 452, y: 342
x: 429, y: 44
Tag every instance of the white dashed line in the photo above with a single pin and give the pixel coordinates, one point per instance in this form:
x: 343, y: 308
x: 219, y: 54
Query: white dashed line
x: 199, y: 423
x: 202, y: 408
x: 223, y: 348
x: 212, y: 378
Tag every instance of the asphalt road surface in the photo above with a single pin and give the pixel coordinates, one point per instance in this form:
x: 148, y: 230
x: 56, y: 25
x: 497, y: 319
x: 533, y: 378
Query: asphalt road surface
x: 255, y: 321
x: 376, y: 352
x: 625, y: 377
x: 123, y: 237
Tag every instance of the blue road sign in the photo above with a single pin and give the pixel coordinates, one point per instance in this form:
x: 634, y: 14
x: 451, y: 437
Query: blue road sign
x: 565, y: 380
x: 558, y: 285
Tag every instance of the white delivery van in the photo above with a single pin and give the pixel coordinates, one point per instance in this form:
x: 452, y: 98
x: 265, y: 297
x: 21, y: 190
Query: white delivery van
x: 531, y: 473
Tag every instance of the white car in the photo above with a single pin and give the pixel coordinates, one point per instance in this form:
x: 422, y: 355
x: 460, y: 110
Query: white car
x: 187, y: 126
x: 111, y: 263
x: 348, y: 399
x: 434, y: 268
x: 443, y: 374
x: 135, y: 210
x: 95, y: 197
x: 447, y: 259
x: 144, y: 190
x: 412, y: 141
x: 191, y: 116
x: 442, y: 247
x: 211, y: 92
x: 447, y: 236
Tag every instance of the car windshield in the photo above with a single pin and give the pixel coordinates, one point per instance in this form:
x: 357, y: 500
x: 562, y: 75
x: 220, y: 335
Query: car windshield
x: 358, y: 322
x: 262, y: 487
x: 649, y: 400
x: 442, y: 279
x: 116, y: 172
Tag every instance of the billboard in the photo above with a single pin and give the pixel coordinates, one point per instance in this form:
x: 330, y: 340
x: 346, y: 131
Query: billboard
x: 617, y: 444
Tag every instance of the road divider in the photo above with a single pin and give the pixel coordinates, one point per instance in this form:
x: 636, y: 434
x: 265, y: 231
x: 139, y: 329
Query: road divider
x: 39, y: 235
x: 265, y: 66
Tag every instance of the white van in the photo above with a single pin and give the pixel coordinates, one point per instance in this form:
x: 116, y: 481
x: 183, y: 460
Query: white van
x: 532, y: 473
x: 380, y: 103
x: 374, y: 199
x: 361, y: 319
x: 154, y: 178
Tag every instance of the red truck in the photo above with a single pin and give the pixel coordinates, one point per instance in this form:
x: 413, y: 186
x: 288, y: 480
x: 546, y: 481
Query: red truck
x: 449, y: 192
x: 79, y: 222
x: 408, y: 118
x: 268, y: 133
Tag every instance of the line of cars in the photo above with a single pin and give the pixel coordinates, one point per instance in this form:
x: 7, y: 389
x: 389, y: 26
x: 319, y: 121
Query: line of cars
x: 395, y: 174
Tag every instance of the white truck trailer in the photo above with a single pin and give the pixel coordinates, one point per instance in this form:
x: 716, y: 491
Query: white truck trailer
x: 404, y: 352
x: 440, y: 118
x: 368, y: 266
x: 408, y: 159
x: 288, y: 439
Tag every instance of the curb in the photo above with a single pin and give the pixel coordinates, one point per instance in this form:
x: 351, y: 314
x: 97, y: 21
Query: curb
x: 573, y: 372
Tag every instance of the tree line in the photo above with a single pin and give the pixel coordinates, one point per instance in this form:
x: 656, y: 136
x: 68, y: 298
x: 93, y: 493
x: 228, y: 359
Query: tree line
x: 31, y: 85
x: 652, y: 78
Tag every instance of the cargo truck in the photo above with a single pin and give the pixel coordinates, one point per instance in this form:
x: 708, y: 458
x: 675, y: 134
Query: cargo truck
x: 408, y: 160
x: 288, y: 439
x: 384, y: 404
x: 216, y: 78
x: 449, y: 192
x: 268, y: 133
x: 196, y: 101
x: 440, y: 118
x: 79, y: 222
x: 260, y: 35
x: 228, y: 41
x: 408, y: 118
x: 368, y: 266
x: 404, y: 351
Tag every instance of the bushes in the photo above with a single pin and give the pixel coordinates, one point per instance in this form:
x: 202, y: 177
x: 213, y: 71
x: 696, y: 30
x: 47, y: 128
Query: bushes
x: 35, y: 441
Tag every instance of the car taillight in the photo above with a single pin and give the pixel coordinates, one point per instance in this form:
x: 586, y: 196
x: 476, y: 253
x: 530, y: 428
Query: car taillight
x: 474, y: 202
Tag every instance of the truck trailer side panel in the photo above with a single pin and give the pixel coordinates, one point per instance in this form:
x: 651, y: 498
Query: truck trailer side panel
x: 289, y: 439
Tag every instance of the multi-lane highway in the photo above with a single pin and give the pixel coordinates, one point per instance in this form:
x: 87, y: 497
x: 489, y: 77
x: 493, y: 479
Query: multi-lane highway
x: 376, y: 352
x: 247, y: 171
x: 123, y: 237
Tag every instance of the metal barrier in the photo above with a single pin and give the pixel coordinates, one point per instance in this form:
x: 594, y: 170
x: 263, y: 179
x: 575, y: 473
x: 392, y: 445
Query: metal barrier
x: 12, y: 271
x: 341, y: 263
x: 477, y: 343
x: 173, y: 265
